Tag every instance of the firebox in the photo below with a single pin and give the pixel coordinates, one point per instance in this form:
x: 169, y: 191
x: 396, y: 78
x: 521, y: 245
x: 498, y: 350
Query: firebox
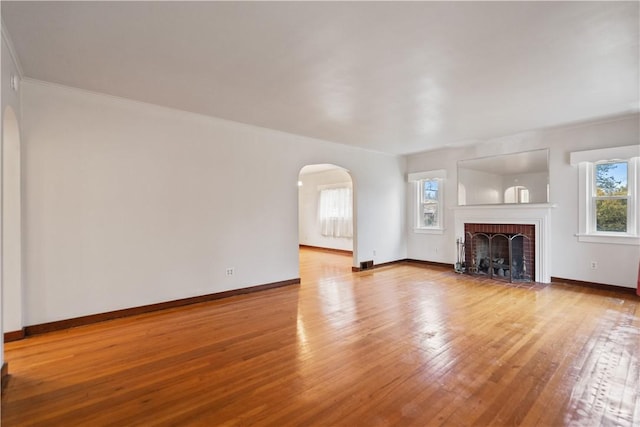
x: 501, y: 251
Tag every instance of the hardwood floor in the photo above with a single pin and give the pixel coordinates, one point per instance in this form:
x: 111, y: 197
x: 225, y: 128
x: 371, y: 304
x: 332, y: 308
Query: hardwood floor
x: 395, y: 346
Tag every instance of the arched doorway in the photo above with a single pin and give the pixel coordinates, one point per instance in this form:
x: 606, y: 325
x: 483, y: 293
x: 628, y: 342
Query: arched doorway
x: 11, y: 224
x: 326, y: 210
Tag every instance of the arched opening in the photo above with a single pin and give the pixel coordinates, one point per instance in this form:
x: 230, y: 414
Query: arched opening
x: 11, y: 224
x: 326, y: 220
x: 516, y: 194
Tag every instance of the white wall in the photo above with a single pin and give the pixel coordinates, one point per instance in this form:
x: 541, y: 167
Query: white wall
x: 617, y: 264
x: 128, y: 204
x: 11, y: 295
x: 11, y: 222
x: 310, y: 231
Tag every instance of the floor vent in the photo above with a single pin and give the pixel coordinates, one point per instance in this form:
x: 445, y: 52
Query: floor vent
x: 366, y: 265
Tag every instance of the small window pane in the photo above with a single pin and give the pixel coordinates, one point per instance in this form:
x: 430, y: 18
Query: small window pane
x: 430, y: 215
x: 611, y: 179
x: 611, y: 215
x: 430, y: 192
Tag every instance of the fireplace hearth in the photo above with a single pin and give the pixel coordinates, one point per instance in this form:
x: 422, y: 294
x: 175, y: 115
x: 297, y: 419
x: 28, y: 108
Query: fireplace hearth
x: 500, y: 251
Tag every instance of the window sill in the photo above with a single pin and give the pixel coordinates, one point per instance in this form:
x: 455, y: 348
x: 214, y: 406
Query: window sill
x: 616, y: 239
x: 428, y: 230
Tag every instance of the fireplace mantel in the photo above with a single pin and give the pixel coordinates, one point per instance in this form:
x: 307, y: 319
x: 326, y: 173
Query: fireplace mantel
x: 538, y: 215
x: 523, y: 206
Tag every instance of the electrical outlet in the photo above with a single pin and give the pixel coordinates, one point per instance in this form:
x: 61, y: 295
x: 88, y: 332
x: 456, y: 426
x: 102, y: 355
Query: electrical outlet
x: 594, y: 265
x: 230, y: 271
x: 374, y: 252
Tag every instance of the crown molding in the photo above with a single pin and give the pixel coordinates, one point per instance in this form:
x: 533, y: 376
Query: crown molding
x: 7, y: 38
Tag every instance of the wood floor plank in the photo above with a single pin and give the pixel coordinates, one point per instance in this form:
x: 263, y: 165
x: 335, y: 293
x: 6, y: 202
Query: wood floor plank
x: 404, y: 344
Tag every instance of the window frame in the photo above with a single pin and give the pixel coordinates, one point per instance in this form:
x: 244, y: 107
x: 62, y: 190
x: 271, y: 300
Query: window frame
x: 593, y: 194
x: 422, y: 201
x: 586, y: 162
x: 418, y: 179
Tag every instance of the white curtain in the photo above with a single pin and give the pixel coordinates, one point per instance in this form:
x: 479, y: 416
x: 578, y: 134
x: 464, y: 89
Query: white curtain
x: 336, y: 212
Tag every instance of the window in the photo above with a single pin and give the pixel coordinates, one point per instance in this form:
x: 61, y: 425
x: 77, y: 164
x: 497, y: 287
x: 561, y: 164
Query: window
x: 429, y: 205
x: 610, y: 197
x: 608, y: 181
x: 429, y: 191
x: 336, y: 212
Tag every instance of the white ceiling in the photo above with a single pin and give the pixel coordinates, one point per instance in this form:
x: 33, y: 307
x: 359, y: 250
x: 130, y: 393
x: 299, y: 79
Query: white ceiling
x: 397, y: 77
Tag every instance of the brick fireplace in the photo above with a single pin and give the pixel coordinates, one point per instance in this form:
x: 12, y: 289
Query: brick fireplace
x: 500, y: 251
x: 532, y: 221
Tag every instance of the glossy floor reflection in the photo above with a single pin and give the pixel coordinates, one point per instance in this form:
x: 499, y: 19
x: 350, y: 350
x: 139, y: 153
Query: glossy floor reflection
x: 400, y: 345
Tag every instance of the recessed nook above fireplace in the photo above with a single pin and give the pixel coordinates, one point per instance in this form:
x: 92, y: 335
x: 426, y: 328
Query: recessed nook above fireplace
x: 517, y: 178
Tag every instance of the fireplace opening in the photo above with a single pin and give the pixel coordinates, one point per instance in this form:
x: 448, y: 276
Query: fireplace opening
x: 503, y: 252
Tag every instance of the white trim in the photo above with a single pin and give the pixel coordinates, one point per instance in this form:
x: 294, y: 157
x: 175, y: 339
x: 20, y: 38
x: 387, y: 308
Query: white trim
x: 623, y: 239
x: 586, y: 210
x: 538, y: 215
x: 428, y: 230
x: 524, y: 206
x: 419, y: 176
x: 12, y: 52
x: 336, y: 185
x: 439, y: 229
x: 604, y: 154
